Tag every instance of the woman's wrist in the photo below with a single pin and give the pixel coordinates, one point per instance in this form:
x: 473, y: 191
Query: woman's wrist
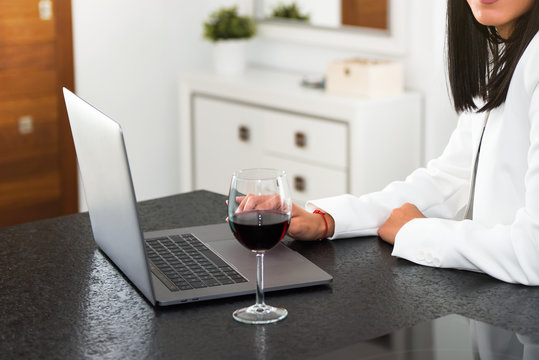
x: 325, y: 224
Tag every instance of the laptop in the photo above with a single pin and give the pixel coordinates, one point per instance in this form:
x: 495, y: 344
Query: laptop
x: 170, y: 266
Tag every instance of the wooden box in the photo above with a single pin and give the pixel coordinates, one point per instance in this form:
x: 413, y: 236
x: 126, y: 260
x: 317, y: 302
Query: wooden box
x: 364, y: 78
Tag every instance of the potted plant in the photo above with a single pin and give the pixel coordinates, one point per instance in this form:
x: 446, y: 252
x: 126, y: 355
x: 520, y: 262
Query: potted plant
x: 229, y: 32
x: 289, y: 11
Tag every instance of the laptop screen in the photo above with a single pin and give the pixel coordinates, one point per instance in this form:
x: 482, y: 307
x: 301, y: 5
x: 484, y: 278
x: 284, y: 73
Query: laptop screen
x: 447, y: 338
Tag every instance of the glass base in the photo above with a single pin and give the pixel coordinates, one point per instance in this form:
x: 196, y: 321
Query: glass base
x: 259, y: 314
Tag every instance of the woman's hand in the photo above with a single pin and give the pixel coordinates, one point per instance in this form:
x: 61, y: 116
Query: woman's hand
x: 399, y: 216
x: 305, y: 225
x: 265, y: 202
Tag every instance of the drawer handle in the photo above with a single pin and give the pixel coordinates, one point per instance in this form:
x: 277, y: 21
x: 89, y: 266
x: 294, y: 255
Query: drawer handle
x: 300, y: 139
x: 244, y: 133
x: 300, y: 184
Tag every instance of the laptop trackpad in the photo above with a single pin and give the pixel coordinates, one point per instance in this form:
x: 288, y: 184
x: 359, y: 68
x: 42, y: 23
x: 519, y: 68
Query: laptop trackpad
x: 283, y: 267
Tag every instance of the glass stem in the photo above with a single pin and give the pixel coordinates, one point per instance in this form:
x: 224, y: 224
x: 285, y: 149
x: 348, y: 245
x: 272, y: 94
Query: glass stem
x: 260, y: 279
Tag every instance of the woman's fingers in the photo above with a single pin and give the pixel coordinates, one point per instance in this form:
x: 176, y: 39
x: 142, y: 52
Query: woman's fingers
x: 397, y: 219
x: 259, y: 202
x: 272, y: 202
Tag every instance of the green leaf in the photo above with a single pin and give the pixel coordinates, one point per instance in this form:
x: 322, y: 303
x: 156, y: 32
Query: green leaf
x: 225, y: 23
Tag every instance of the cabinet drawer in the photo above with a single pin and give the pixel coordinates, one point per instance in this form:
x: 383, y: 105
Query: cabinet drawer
x: 304, y: 138
x: 309, y: 182
x: 227, y: 137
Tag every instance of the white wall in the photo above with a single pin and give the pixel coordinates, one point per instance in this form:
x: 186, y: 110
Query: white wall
x: 129, y: 54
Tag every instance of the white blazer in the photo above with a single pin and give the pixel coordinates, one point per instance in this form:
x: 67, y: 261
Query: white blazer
x: 502, y: 240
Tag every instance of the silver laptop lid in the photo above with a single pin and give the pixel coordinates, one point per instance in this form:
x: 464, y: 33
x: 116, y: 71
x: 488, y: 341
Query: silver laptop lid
x: 108, y: 187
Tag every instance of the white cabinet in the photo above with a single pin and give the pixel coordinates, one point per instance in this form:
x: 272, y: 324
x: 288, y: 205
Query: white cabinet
x: 328, y: 145
x: 229, y: 136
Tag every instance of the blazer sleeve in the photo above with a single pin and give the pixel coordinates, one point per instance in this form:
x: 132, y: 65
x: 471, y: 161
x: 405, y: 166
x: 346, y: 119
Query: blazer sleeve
x: 439, y: 190
x: 509, y: 252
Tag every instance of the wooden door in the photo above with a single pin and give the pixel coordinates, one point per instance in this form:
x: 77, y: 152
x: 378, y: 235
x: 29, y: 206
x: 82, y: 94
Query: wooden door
x: 38, y: 174
x: 365, y: 13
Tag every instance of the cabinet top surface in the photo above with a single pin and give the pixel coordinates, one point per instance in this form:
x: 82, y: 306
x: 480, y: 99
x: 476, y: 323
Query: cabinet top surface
x: 283, y: 90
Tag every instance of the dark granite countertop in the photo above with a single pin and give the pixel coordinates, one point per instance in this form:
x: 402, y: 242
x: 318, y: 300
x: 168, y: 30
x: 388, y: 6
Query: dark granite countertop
x: 61, y: 298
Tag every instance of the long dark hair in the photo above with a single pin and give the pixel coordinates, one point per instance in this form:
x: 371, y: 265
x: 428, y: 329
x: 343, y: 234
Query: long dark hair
x: 480, y: 62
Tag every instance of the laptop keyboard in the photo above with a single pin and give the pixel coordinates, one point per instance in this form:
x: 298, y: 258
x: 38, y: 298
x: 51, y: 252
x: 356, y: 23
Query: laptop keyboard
x: 183, y: 262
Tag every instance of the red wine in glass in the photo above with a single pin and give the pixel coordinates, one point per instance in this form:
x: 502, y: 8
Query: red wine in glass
x: 259, y: 230
x: 259, y: 210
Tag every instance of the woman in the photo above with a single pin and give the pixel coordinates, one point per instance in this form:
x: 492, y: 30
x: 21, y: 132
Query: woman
x: 493, y: 63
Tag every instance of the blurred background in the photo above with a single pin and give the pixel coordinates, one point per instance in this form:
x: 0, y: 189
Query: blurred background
x: 128, y: 57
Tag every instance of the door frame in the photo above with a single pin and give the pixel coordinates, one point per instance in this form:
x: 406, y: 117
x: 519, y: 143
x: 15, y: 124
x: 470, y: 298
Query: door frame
x: 66, y: 78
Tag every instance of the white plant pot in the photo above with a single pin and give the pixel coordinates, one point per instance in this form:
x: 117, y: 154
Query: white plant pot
x: 229, y: 56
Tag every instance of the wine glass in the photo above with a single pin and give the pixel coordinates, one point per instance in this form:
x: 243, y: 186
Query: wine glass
x: 259, y: 208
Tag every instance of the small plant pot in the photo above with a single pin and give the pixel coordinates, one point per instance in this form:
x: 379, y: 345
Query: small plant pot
x: 229, y: 56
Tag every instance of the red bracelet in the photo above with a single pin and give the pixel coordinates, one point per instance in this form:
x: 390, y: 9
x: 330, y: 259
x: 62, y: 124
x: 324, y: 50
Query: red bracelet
x: 317, y: 211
